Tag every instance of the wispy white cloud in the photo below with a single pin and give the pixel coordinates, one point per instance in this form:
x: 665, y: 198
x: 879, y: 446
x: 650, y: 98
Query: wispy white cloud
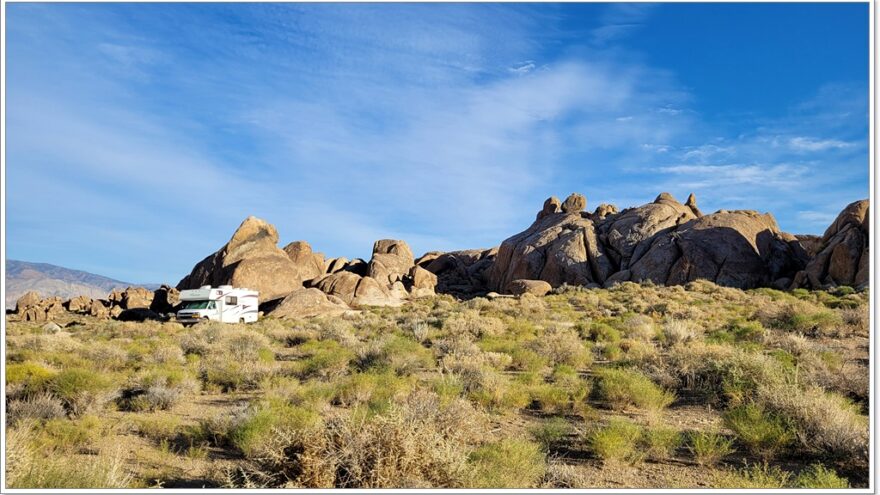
x: 808, y: 144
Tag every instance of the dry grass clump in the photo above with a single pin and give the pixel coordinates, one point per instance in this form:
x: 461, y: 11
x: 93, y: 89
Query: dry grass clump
x: 473, y: 324
x: 755, y: 476
x: 709, y: 447
x: 28, y: 466
x: 617, y: 442
x: 82, y: 390
x: 37, y: 407
x: 762, y: 432
x: 624, y: 387
x: 639, y: 327
x: 562, y: 346
x: 157, y: 389
x: 679, y: 330
x: 510, y: 463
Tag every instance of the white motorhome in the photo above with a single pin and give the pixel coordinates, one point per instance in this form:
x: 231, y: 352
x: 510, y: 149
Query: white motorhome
x: 226, y: 304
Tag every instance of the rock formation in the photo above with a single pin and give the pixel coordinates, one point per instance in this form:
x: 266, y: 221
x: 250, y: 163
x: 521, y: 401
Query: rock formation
x: 533, y: 287
x: 308, y: 264
x: 250, y: 259
x: 391, y: 261
x: 461, y: 273
x: 664, y: 241
x: 843, y: 256
x: 306, y: 303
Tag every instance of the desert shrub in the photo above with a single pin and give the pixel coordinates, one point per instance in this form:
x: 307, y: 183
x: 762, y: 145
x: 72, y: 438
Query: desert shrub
x: 603, y: 332
x: 28, y: 466
x: 746, y: 330
x: 756, y: 476
x: 159, y: 428
x: 471, y: 323
x: 611, y: 351
x: 82, y: 390
x: 762, y: 432
x: 676, y: 331
x: 257, y: 432
x: 616, y: 442
x: 551, y: 431
x: 818, y: 476
x: 66, y: 434
x: 660, y: 442
x: 510, y: 463
x: 493, y: 390
x: 623, y: 388
x: 36, y: 407
x: 393, y: 352
x: 227, y: 373
x: 417, y: 443
x: 376, y: 390
x: 802, y: 317
x: 325, y: 359
x: 26, y: 378
x: 167, y: 355
x: 527, y: 360
x: 106, y: 356
x: 562, y: 475
x: 639, y: 327
x: 709, y: 447
x: 562, y: 346
x: 156, y: 389
x: 822, y: 421
x: 858, y: 318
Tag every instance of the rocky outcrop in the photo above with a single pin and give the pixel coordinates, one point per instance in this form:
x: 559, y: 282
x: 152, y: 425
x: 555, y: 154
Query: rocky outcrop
x: 356, y: 290
x: 307, y: 303
x: 461, y: 273
x: 551, y: 205
x: 250, y: 259
x: 391, y: 261
x: 308, y: 264
x: 78, y: 304
x: 743, y: 249
x: 843, y: 255
x: 31, y: 298
x: 560, y: 248
x: 664, y: 241
x: 136, y: 298
x: 574, y: 203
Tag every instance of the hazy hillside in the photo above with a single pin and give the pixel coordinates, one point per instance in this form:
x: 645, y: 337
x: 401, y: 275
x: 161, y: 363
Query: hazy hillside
x: 52, y: 280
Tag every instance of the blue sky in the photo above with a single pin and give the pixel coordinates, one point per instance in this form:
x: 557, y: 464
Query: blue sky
x: 140, y: 135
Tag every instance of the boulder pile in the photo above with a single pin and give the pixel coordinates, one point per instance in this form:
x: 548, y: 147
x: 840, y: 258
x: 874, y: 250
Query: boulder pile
x: 133, y: 303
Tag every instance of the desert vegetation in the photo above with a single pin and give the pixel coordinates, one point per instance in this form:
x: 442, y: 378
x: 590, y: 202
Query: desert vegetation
x: 632, y: 386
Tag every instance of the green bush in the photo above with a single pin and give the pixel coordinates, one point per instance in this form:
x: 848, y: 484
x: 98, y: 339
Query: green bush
x: 660, y: 442
x: 510, y: 463
x: 617, y: 441
x: 818, y: 476
x: 756, y: 476
x: 763, y: 433
x: 551, y: 431
x: 27, y: 378
x: 623, y: 387
x: 602, y: 332
x: 709, y: 447
x: 81, y: 390
x: 259, y: 431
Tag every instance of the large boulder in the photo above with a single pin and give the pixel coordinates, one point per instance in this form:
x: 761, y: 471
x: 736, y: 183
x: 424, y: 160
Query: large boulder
x: 307, y: 303
x: 250, y: 259
x: 422, y: 282
x: 624, y: 234
x: 560, y: 248
x: 391, y: 261
x: 79, y: 304
x: 574, y: 203
x: 99, y: 310
x: 30, y: 298
x: 356, y: 290
x: 533, y: 287
x: 136, y: 298
x: 308, y: 263
x: 743, y: 249
x: 843, y: 257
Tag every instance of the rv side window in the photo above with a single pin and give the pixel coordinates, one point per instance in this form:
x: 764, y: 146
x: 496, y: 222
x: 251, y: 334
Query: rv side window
x: 212, y: 305
x: 233, y: 300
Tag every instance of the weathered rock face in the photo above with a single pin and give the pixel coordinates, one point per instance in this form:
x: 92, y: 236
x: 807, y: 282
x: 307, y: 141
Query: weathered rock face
x: 624, y: 234
x: 355, y: 290
x: 422, y: 282
x: 533, y: 287
x: 741, y: 249
x: 574, y: 203
x: 98, y: 309
x: 560, y: 248
x: 391, y: 261
x: 250, y: 259
x: 461, y: 273
x: 308, y: 264
x: 31, y: 298
x: 307, y: 303
x: 136, y: 297
x: 843, y: 256
x: 41, y: 309
x: 79, y: 304
x: 664, y: 241
x: 551, y: 205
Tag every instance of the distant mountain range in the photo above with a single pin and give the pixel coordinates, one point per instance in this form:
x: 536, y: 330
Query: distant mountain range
x: 51, y: 280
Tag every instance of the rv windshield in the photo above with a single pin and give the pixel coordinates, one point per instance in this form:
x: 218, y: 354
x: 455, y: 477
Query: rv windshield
x: 199, y: 305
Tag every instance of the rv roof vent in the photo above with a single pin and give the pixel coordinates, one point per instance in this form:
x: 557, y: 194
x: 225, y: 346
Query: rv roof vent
x: 205, y: 287
x: 225, y: 287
